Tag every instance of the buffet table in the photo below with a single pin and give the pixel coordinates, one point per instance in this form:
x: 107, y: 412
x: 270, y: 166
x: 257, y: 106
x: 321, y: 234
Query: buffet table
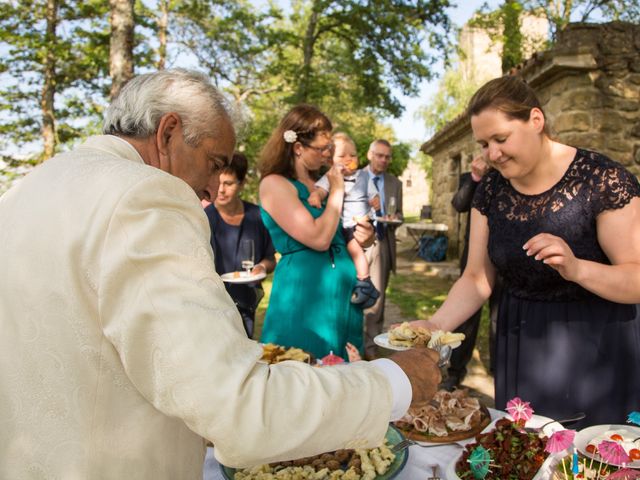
x: 418, y: 467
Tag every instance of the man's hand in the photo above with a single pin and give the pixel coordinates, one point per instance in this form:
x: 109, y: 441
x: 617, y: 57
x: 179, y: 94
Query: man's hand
x: 375, y: 203
x: 421, y: 366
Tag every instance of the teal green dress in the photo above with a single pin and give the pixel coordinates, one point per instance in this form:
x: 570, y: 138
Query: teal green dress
x: 310, y: 304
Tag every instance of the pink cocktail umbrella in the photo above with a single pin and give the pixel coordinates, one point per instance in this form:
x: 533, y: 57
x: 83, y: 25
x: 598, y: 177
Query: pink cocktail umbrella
x: 560, y: 440
x: 625, y: 474
x: 519, y: 410
x: 331, y: 359
x: 613, y: 452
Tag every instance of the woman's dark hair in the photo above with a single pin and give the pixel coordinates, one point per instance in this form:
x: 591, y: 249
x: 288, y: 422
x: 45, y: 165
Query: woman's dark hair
x: 238, y: 166
x: 510, y: 95
x: 277, y: 155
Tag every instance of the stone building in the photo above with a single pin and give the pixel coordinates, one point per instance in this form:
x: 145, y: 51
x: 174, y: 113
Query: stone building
x: 415, y: 188
x: 589, y: 86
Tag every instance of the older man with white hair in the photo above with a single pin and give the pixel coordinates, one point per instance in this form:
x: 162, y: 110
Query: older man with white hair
x: 120, y: 349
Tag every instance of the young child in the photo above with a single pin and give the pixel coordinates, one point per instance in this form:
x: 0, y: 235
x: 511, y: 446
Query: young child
x: 359, y: 190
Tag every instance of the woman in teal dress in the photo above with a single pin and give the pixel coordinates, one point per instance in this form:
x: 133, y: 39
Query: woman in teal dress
x: 310, y: 305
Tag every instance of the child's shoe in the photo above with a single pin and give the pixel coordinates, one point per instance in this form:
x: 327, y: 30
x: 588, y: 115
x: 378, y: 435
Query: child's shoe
x: 365, y: 293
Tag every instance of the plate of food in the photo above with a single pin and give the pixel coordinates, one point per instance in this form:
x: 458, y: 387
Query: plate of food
x: 405, y: 336
x: 627, y: 436
x: 272, y: 353
x: 242, y: 277
x: 514, y: 453
x: 450, y: 417
x: 376, y: 464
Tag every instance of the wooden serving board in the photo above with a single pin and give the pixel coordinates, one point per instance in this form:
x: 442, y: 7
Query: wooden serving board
x: 485, y: 419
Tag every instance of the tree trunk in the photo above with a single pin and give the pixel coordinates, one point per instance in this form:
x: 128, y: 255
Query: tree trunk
x: 308, y: 46
x: 163, y: 25
x: 121, y: 46
x: 49, y: 84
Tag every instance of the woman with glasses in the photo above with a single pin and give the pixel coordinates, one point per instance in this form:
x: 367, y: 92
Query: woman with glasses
x: 233, y: 220
x: 310, y: 305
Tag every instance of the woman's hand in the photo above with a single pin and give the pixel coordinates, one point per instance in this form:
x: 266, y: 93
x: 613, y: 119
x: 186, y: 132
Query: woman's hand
x: 478, y: 168
x: 336, y: 179
x: 315, y: 200
x: 554, y: 252
x: 258, y: 269
x: 364, y: 232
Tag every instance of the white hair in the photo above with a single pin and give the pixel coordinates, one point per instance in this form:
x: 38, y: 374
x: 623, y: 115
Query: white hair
x: 138, y: 108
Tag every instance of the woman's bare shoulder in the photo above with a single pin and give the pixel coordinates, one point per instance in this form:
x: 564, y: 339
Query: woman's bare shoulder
x: 276, y: 185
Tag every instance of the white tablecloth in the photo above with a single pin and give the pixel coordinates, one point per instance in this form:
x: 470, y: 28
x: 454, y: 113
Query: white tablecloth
x: 420, y: 461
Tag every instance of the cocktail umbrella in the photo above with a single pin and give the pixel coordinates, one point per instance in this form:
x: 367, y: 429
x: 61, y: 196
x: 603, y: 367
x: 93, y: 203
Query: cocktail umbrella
x: 634, y: 417
x: 575, y: 463
x: 625, y: 474
x: 479, y: 462
x: 331, y: 359
x: 559, y: 441
x: 613, y: 452
x: 519, y: 410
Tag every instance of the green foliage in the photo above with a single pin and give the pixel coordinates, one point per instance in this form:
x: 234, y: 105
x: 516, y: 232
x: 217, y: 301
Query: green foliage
x: 366, y: 48
x: 359, y: 51
x: 512, y: 40
x: 454, y: 91
x: 80, y: 49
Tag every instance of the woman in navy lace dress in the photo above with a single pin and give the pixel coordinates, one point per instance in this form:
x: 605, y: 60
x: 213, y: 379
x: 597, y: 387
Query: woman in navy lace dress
x: 562, y: 227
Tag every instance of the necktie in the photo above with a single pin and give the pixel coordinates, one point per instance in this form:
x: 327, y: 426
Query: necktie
x: 379, y: 225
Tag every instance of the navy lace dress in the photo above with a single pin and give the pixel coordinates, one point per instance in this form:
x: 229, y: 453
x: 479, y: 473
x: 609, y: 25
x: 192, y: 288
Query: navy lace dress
x: 559, y: 346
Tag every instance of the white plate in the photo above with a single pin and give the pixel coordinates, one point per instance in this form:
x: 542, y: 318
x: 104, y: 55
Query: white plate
x: 585, y: 435
x: 242, y: 278
x: 536, y: 421
x: 382, y: 340
x: 395, y: 221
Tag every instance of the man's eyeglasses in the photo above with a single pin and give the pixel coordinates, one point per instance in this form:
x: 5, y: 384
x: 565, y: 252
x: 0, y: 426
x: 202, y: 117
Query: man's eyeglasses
x: 327, y: 148
x: 382, y: 155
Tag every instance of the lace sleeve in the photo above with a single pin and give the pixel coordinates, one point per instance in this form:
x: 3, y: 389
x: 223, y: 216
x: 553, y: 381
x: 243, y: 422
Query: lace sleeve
x: 484, y: 192
x: 614, y: 187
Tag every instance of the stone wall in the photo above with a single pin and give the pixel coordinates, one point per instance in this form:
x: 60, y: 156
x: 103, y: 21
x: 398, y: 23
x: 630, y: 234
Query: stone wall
x: 589, y: 86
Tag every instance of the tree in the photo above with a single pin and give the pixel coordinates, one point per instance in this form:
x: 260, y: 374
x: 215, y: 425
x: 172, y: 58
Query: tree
x: 121, y: 44
x: 45, y: 69
x: 372, y: 45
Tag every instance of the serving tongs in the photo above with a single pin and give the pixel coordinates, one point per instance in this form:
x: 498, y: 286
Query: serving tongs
x: 565, y: 422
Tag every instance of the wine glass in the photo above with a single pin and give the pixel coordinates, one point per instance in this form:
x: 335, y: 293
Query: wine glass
x: 391, y: 208
x: 246, y: 254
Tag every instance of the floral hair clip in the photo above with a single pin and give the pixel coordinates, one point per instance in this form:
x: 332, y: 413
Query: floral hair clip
x: 290, y: 136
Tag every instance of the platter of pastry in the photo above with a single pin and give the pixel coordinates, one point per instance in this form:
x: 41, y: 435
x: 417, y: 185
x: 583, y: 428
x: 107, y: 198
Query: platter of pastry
x: 272, y: 353
x: 405, y: 336
x: 358, y: 464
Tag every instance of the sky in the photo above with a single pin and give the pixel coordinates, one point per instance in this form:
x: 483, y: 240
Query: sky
x: 408, y: 128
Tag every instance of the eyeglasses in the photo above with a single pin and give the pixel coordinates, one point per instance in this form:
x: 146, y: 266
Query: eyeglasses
x: 327, y: 148
x: 382, y: 155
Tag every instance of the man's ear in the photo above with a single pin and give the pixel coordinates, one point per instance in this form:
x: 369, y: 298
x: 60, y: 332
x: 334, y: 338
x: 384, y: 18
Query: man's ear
x: 536, y: 117
x: 169, y: 125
